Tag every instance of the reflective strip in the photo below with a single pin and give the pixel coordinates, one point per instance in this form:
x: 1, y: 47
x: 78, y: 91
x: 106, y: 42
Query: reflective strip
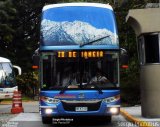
x: 15, y: 102
x: 17, y: 98
x: 16, y: 105
x: 17, y: 95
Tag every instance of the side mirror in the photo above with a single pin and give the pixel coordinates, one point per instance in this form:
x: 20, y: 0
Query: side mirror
x: 18, y: 68
x: 124, y: 58
x: 35, y: 58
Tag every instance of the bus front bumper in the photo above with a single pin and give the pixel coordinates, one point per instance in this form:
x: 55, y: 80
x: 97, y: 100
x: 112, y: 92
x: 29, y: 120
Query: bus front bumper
x: 51, y: 111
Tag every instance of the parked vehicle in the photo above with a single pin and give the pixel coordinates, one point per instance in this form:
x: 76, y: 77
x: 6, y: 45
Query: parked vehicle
x: 7, y: 78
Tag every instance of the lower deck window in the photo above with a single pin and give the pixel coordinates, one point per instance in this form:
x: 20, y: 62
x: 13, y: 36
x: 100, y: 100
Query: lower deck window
x: 79, y: 70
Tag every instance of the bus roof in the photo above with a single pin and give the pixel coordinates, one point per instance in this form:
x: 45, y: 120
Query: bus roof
x: 2, y: 60
x: 77, y: 4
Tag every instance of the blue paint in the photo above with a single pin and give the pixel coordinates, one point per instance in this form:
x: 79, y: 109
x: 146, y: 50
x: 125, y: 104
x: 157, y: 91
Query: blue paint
x: 77, y: 47
x: 98, y: 17
x: 77, y: 25
x: 89, y: 94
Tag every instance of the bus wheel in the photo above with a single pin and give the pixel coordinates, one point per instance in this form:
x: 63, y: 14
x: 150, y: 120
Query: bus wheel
x: 47, y: 120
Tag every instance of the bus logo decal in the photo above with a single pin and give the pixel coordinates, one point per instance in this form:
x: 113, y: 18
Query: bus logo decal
x: 81, y: 95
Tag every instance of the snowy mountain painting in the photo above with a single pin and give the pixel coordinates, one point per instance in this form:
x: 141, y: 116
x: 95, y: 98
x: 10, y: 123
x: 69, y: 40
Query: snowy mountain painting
x: 74, y: 33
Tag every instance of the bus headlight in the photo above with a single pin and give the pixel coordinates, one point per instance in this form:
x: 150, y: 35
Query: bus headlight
x: 49, y: 100
x: 114, y: 110
x: 48, y: 111
x: 111, y: 99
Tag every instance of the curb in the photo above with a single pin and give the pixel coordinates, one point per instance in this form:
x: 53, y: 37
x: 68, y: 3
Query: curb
x: 136, y: 121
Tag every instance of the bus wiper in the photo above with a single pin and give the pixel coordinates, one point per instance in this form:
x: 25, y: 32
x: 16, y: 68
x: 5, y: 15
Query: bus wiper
x: 64, y: 89
x: 98, y: 88
x: 81, y: 45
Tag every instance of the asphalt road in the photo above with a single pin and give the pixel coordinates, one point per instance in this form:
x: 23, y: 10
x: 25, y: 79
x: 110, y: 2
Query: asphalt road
x: 31, y: 118
x: 34, y: 120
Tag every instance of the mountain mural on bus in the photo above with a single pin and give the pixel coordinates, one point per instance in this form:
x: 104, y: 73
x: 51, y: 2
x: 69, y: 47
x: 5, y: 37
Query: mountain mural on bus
x: 74, y: 31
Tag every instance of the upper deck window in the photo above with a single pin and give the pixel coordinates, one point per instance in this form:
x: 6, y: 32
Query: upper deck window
x: 77, y: 25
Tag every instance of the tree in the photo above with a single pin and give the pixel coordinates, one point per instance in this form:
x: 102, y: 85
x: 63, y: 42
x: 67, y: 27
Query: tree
x: 26, y: 37
x: 7, y: 15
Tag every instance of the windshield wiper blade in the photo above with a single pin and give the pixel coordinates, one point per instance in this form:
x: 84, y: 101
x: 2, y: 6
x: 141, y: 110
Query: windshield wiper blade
x: 98, y: 88
x: 64, y: 89
x: 81, y: 45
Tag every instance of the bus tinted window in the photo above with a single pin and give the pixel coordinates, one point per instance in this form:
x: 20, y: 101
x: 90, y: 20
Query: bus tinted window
x: 152, y: 48
x: 6, y: 75
x: 79, y: 71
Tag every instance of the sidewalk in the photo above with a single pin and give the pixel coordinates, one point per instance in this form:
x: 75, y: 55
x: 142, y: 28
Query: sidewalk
x: 133, y: 114
x: 29, y: 107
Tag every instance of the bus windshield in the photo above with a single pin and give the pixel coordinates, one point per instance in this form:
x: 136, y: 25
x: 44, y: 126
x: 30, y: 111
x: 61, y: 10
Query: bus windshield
x: 79, y: 70
x: 6, y: 75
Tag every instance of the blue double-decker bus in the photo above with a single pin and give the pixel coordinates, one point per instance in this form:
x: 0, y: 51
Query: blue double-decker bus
x: 79, y: 61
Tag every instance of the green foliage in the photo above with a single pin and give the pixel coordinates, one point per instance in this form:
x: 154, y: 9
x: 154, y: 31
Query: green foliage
x: 28, y: 83
x: 7, y: 15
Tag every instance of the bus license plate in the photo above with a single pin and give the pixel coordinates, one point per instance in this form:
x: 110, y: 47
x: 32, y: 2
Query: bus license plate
x: 81, y: 109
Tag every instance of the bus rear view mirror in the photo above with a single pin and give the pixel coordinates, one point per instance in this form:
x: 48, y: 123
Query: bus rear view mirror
x: 17, y: 70
x: 123, y: 58
x: 35, y: 61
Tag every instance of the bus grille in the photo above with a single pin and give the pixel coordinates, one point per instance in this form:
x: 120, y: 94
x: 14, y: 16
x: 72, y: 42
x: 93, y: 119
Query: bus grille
x: 71, y: 105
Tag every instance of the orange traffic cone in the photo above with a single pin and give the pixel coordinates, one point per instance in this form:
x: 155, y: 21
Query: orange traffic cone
x: 17, y: 103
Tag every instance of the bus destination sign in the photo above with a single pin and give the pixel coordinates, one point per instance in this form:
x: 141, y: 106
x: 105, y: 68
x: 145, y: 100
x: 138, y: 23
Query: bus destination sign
x: 83, y: 54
